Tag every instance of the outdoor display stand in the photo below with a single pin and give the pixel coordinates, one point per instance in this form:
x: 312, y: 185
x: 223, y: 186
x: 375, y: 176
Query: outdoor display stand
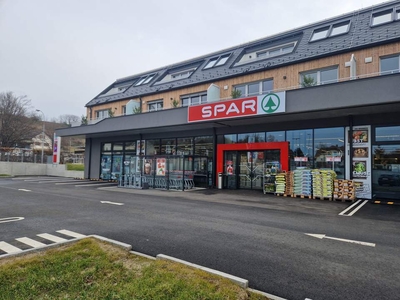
x: 271, y: 169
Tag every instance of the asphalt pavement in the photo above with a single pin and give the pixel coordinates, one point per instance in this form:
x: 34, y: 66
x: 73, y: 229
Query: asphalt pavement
x: 262, y: 238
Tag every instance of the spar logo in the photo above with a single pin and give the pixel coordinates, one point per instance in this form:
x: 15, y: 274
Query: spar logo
x: 270, y: 103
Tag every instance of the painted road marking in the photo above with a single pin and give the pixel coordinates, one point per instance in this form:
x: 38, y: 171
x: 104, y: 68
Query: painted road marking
x: 51, y: 237
x: 354, y: 207
x: 11, y: 219
x: 71, y: 233
x: 95, y: 184
x: 24, y: 190
x: 6, y: 247
x: 109, y: 202
x: 30, y: 242
x: 323, y: 236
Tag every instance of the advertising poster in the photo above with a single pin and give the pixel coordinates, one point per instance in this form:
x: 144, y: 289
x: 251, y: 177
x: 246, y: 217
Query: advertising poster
x: 147, y: 167
x: 360, y: 160
x: 160, y: 166
x: 140, y: 147
x: 229, y: 167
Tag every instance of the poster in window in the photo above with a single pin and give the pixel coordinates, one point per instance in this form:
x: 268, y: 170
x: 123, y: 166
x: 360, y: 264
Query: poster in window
x: 360, y: 169
x: 360, y: 137
x: 160, y: 166
x: 140, y: 147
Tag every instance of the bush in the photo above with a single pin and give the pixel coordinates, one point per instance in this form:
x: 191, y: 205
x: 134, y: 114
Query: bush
x: 75, y: 167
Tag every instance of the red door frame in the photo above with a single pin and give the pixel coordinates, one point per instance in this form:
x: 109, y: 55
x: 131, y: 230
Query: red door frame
x: 282, y: 146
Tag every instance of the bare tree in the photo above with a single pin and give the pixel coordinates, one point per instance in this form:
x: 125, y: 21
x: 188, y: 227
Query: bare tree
x: 68, y: 119
x: 16, y: 120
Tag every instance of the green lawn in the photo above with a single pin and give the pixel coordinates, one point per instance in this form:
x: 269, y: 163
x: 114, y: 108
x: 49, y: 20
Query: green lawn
x: 91, y: 269
x: 75, y: 167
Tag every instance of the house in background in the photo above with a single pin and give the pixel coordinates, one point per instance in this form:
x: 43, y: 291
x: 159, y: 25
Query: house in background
x: 333, y: 84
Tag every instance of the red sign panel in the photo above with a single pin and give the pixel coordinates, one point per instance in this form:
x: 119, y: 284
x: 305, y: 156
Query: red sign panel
x: 222, y: 110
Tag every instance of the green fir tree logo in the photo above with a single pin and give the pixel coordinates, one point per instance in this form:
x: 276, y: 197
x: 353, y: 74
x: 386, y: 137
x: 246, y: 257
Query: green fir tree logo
x: 270, y: 103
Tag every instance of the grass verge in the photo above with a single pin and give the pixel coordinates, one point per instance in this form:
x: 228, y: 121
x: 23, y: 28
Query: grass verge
x: 75, y: 167
x: 92, y: 269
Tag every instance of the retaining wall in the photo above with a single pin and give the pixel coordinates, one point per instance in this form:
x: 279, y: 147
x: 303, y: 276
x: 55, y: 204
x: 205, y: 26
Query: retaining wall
x: 30, y: 169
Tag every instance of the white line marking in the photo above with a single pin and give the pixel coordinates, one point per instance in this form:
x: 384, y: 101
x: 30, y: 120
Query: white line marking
x: 71, y: 233
x: 354, y: 211
x: 11, y: 219
x: 51, y: 237
x: 323, y: 236
x: 109, y: 202
x: 6, y: 247
x: 350, y: 207
x: 30, y: 242
x: 24, y: 190
x: 96, y: 184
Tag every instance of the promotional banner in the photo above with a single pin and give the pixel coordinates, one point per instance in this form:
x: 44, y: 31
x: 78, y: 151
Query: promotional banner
x: 56, y: 149
x: 360, y: 159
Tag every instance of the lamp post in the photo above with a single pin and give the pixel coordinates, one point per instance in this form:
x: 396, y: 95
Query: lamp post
x: 38, y: 110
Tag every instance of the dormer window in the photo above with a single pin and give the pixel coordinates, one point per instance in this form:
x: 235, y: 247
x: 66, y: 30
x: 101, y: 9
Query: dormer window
x: 340, y: 28
x: 217, y: 61
x: 183, y: 74
x: 381, y: 17
x: 319, y: 34
x: 330, y: 31
x: 145, y: 79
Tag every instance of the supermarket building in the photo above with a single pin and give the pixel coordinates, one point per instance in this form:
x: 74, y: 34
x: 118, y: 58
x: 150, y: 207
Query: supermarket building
x: 326, y: 95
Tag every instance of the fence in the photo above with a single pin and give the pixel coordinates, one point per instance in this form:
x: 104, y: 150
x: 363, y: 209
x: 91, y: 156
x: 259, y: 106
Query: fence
x: 23, y: 156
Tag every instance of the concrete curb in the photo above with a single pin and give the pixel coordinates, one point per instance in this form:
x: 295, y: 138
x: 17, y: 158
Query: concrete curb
x: 244, y: 283
x: 269, y: 296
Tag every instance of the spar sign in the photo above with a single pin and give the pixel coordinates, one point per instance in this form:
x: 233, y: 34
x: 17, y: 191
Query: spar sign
x: 250, y: 106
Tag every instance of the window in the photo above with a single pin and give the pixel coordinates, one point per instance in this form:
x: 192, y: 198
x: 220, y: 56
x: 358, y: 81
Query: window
x: 116, y: 90
x: 145, y: 79
x: 397, y: 14
x: 381, y: 17
x: 317, y: 77
x: 155, y: 105
x: 217, y: 61
x: 319, y: 34
x: 194, y: 99
x: 259, y: 54
x: 102, y: 114
x: 340, y: 28
x: 387, y: 134
x: 124, y: 110
x: 331, y: 30
x: 177, y: 75
x: 255, y: 88
x: 390, y: 65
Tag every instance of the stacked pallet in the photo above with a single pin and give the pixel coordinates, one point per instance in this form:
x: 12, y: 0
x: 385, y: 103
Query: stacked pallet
x: 302, y: 183
x: 289, y: 183
x: 280, y: 183
x: 323, y: 184
x: 344, y: 190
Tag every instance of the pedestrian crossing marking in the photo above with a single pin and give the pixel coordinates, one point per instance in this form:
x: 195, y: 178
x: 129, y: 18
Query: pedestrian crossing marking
x: 30, y: 242
x: 51, y: 237
x: 71, y: 233
x: 8, y: 248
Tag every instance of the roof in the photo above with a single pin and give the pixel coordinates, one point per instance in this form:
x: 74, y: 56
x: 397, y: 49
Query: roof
x: 285, y: 48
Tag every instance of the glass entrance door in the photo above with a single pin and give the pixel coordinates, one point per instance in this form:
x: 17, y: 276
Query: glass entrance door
x: 250, y: 169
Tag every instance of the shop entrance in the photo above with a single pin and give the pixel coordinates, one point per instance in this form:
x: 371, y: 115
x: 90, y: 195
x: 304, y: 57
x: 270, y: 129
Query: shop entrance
x: 245, y: 169
x: 243, y: 166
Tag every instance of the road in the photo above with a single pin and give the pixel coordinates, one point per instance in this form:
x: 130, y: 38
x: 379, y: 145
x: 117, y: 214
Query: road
x: 258, y: 237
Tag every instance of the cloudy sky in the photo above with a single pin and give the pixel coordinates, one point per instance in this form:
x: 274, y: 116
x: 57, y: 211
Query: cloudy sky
x: 61, y: 54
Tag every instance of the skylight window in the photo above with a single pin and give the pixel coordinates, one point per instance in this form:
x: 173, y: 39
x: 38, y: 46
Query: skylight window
x: 381, y: 17
x: 217, y: 61
x: 340, y: 28
x: 181, y: 75
x: 116, y: 90
x: 319, y: 34
x: 145, y: 79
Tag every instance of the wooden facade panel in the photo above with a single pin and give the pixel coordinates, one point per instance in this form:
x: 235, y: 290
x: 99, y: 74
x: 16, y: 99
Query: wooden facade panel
x: 286, y: 77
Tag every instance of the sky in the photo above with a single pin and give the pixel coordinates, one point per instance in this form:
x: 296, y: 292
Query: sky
x: 61, y: 54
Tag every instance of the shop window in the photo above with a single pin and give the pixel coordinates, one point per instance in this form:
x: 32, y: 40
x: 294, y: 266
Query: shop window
x: 118, y: 146
x: 152, y: 147
x: 329, y: 150
x: 317, y: 77
x: 130, y: 146
x: 255, y: 88
x: 387, y: 134
x: 382, y: 17
x: 155, y: 105
x: 389, y: 65
x: 256, y: 137
x: 301, y: 148
x: 230, y: 138
x: 106, y: 147
x: 203, y: 146
x: 194, y: 99
x: 185, y: 146
x: 275, y: 136
x: 168, y: 146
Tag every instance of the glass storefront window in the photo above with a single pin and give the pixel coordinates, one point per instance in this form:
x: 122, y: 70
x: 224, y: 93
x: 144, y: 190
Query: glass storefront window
x: 301, y: 149
x: 204, y: 146
x: 168, y: 146
x: 230, y: 138
x: 276, y: 136
x: 130, y: 146
x: 105, y: 165
x: 106, y: 147
x: 255, y: 137
x: 152, y: 147
x: 387, y: 134
x: 329, y: 150
x: 118, y: 146
x: 185, y: 146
